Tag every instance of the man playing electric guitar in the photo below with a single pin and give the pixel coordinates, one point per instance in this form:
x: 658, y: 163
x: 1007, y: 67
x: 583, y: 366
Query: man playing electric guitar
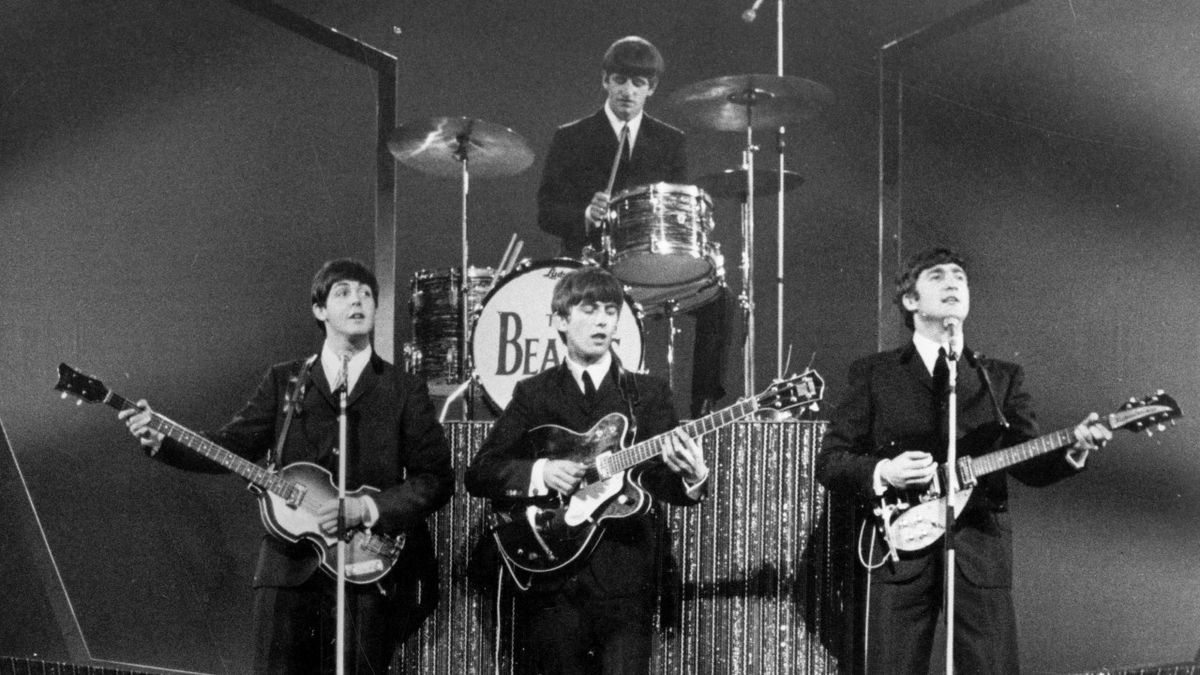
x: 395, y: 445
x: 899, y: 397
x: 597, y: 610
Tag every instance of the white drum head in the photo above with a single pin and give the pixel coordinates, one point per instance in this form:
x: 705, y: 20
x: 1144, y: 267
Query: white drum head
x: 514, y: 338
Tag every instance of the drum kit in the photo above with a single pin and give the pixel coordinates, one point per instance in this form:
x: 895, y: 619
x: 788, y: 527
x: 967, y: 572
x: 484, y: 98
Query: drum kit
x: 490, y: 326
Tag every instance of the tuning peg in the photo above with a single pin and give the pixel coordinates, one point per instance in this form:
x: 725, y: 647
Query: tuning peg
x: 64, y: 395
x: 1149, y: 432
x: 78, y: 401
x: 1162, y: 427
x: 1132, y: 399
x: 1160, y: 392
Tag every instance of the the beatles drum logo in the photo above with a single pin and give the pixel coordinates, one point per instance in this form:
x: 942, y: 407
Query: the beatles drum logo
x: 514, y: 336
x: 527, y: 356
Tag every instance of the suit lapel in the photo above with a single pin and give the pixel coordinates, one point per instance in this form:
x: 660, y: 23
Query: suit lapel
x: 911, y: 363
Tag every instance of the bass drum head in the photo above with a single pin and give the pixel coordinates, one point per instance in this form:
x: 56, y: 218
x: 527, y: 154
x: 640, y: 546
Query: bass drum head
x: 514, y: 338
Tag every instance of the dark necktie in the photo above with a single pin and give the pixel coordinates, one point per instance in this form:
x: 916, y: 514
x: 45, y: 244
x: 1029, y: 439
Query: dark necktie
x: 589, y: 387
x: 941, y: 374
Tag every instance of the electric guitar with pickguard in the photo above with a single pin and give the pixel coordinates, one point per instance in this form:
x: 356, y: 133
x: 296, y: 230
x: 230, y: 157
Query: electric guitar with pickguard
x: 288, y: 499
x: 913, y: 519
x: 545, y: 534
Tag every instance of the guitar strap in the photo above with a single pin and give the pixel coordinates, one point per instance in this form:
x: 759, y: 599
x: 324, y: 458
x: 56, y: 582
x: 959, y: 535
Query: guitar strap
x: 976, y: 362
x: 297, y: 385
x: 631, y: 398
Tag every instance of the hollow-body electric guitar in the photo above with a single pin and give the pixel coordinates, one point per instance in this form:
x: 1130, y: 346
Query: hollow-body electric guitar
x: 547, y: 534
x: 913, y: 519
x: 288, y: 499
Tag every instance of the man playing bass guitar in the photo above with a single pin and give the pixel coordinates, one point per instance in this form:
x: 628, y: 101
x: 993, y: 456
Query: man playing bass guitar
x: 398, y: 463
x: 596, y: 608
x: 889, y: 434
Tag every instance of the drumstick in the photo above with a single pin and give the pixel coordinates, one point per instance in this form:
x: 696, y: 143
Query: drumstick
x: 516, y: 256
x: 612, y: 175
x: 504, y: 258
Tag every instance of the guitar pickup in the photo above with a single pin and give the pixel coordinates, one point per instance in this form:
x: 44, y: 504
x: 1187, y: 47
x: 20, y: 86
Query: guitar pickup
x: 295, y: 495
x: 966, y: 473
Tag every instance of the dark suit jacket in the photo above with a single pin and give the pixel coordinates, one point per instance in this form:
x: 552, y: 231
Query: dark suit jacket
x: 890, y: 397
x: 626, y: 561
x: 579, y: 161
x: 395, y: 444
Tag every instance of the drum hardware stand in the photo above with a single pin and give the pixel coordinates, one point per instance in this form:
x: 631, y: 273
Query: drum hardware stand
x: 669, y: 312
x: 464, y: 290
x: 748, y: 98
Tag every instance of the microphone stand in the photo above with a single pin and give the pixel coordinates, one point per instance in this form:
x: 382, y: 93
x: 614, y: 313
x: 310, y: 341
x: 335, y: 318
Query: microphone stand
x: 343, y: 397
x: 951, y: 489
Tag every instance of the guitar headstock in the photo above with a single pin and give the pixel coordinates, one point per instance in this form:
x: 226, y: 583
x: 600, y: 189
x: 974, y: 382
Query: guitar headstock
x: 795, y: 391
x: 71, y: 381
x: 1151, y: 411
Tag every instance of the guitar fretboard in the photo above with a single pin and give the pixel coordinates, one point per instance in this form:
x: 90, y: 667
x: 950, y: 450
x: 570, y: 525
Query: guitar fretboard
x: 652, y: 447
x: 1002, y: 459
x: 252, y: 472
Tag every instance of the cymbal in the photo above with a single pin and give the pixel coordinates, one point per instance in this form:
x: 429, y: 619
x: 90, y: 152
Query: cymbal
x: 731, y: 183
x: 734, y: 102
x: 438, y: 145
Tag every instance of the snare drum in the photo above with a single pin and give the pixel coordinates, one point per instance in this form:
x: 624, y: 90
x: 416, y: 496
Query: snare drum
x: 658, y: 235
x: 514, y: 337
x: 682, y: 298
x: 437, y: 322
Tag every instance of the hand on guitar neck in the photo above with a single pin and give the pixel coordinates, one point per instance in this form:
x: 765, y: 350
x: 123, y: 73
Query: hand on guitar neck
x: 684, y: 457
x: 1089, y: 435
x: 138, y: 421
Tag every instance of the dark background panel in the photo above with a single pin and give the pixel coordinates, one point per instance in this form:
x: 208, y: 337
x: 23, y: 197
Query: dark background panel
x: 172, y: 173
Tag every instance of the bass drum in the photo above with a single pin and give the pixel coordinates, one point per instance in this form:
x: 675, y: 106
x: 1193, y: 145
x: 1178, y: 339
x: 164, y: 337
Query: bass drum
x: 514, y: 337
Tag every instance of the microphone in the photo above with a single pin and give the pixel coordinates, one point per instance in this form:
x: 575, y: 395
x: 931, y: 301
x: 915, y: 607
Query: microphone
x: 751, y: 14
x: 953, y: 327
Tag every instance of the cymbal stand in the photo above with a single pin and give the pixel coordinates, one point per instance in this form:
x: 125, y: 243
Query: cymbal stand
x: 465, y: 367
x: 748, y: 98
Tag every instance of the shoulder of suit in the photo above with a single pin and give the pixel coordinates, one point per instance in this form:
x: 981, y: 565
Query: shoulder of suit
x: 539, y: 380
x: 655, y: 123
x: 879, y: 358
x: 583, y: 121
x: 648, y: 380
x: 291, y: 367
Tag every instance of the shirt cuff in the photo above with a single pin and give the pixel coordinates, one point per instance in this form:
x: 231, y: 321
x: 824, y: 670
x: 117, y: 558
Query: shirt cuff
x: 372, y: 515
x: 877, y: 481
x: 537, y: 482
x: 694, y: 491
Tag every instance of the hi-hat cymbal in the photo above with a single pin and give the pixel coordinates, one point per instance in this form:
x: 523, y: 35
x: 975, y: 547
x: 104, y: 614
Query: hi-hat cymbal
x: 735, y: 102
x: 438, y: 145
x: 731, y: 183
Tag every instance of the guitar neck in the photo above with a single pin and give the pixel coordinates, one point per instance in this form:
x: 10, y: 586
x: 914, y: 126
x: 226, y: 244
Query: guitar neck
x: 653, y: 447
x: 252, y: 472
x: 1011, y: 456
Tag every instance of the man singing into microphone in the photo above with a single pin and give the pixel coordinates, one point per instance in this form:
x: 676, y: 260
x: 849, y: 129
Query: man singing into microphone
x: 889, y: 433
x: 394, y: 444
x: 583, y: 171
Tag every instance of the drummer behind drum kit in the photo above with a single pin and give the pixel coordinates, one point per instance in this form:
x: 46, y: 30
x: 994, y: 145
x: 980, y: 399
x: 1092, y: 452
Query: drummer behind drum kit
x: 493, y: 326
